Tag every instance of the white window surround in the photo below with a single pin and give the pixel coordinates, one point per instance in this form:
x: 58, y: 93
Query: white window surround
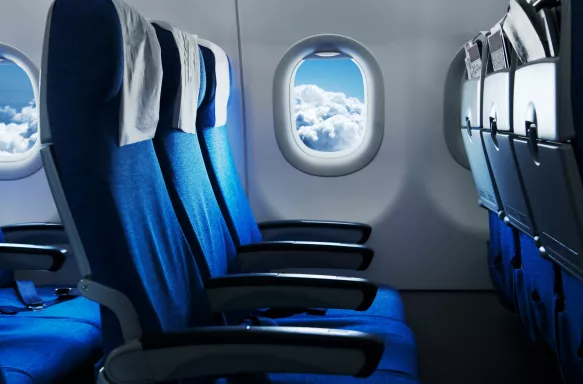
x: 25, y: 164
x: 293, y: 149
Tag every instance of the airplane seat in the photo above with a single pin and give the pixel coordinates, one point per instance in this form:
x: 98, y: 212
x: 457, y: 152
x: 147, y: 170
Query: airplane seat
x: 38, y: 327
x: 570, y: 311
x: 190, y: 190
x: 507, y: 102
x: 502, y: 244
x: 212, y: 136
x: 232, y: 197
x: 103, y: 170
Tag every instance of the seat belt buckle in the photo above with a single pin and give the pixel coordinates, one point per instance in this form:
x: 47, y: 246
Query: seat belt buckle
x: 36, y: 306
x: 64, y: 292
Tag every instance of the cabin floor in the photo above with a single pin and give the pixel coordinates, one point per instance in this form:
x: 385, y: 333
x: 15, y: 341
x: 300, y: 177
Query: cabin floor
x: 470, y: 338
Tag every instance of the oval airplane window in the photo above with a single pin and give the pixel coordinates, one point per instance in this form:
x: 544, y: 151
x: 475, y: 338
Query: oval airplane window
x: 328, y: 106
x: 19, y: 127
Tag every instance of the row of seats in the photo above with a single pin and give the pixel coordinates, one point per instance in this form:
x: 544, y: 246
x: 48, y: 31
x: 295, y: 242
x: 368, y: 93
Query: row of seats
x: 521, y: 97
x: 134, y: 133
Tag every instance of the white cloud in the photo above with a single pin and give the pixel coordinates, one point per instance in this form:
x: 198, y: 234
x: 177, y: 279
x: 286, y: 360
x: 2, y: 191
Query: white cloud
x: 328, y: 121
x: 18, y: 129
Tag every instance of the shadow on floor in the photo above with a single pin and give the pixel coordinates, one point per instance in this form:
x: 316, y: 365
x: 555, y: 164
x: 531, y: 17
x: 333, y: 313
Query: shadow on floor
x: 469, y: 338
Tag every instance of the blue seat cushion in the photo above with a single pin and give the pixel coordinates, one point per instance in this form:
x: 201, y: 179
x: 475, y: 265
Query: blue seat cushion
x: 400, y: 354
x: 34, y: 350
x: 78, y: 309
x: 388, y: 303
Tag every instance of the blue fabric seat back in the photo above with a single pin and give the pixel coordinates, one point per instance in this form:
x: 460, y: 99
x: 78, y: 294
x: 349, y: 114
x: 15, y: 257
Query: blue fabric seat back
x: 116, y: 195
x: 220, y: 165
x: 500, y: 251
x: 570, y: 326
x: 535, y: 287
x: 185, y: 174
x: 570, y: 316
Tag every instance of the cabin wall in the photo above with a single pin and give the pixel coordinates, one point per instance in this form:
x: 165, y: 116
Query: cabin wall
x: 428, y: 232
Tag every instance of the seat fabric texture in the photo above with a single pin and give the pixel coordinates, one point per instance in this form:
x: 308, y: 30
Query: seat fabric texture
x: 119, y: 193
x: 189, y: 187
x: 32, y: 342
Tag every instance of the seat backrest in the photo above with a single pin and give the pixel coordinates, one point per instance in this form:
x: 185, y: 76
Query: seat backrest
x: 112, y: 197
x: 471, y: 123
x: 184, y: 171
x: 570, y: 318
x: 497, y: 104
x: 212, y: 132
x: 543, y: 128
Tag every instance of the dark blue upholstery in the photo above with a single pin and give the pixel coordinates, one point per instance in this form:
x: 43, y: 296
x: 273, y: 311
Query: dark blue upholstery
x: 193, y: 199
x: 500, y: 251
x: 51, y: 350
x: 116, y: 195
x: 570, y: 318
x: 538, y: 293
x: 32, y: 343
x: 225, y: 178
x: 221, y: 167
x: 570, y: 328
x: 231, y: 196
x: 188, y: 184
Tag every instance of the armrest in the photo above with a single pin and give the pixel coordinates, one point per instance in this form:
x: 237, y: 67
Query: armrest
x: 315, y: 230
x: 286, y: 290
x: 270, y: 255
x: 35, y: 233
x: 224, y: 351
x: 31, y: 257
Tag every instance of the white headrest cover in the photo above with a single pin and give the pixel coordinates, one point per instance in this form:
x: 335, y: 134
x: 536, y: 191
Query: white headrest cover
x: 187, y: 99
x: 142, y: 78
x: 223, y: 79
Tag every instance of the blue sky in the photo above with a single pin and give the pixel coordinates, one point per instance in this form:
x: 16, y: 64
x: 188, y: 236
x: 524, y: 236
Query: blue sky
x: 332, y: 75
x: 15, y: 88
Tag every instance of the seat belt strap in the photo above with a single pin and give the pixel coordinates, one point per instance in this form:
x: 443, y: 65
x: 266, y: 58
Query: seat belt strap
x: 29, y: 296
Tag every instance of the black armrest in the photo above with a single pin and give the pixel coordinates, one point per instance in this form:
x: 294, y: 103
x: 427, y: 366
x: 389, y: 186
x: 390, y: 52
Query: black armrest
x: 225, y: 351
x: 283, y: 290
x: 270, y: 255
x: 35, y: 233
x: 315, y: 230
x: 31, y: 257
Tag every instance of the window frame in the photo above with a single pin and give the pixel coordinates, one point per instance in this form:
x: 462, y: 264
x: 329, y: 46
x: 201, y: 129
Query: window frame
x: 299, y: 155
x: 29, y: 162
